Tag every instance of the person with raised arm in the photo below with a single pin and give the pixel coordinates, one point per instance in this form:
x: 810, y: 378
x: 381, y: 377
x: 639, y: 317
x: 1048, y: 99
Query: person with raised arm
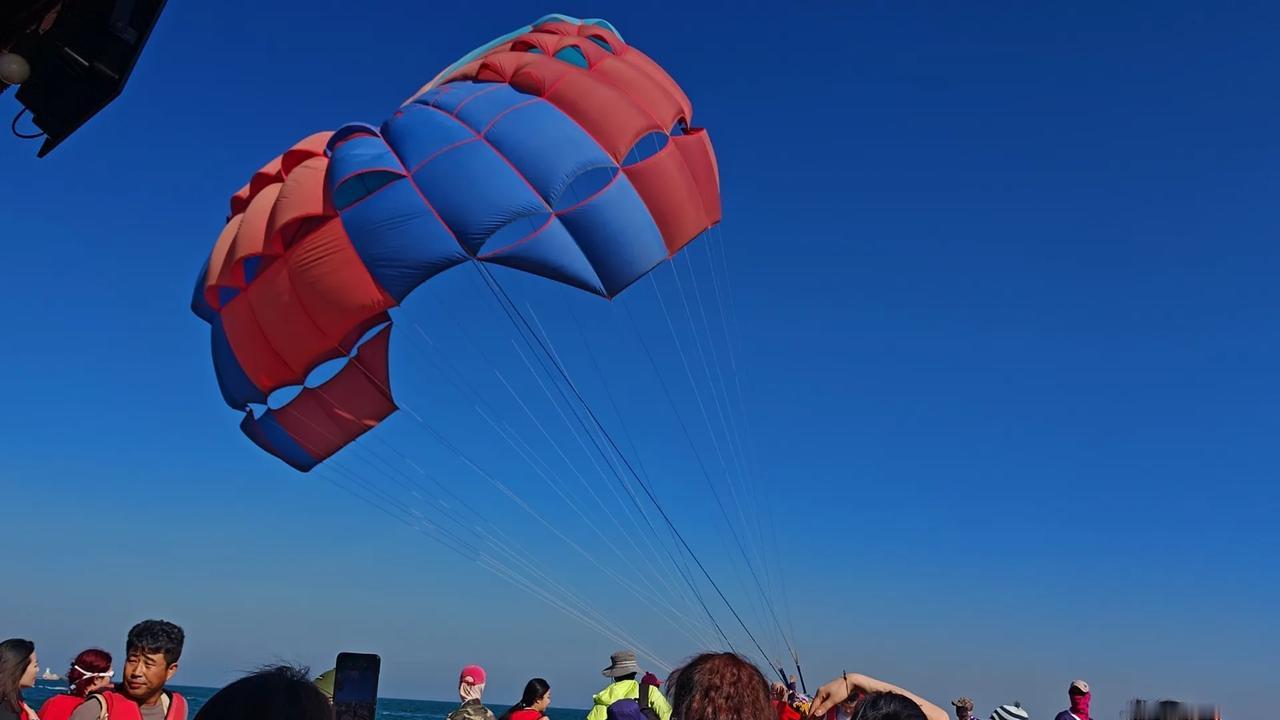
x: 874, y: 700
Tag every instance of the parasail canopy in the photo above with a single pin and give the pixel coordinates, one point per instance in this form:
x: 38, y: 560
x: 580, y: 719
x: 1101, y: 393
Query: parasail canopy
x: 557, y: 150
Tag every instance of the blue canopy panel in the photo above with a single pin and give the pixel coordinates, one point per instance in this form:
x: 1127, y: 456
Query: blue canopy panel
x: 399, y: 238
x: 199, y: 305
x: 237, y: 389
x: 267, y: 434
x: 482, y: 170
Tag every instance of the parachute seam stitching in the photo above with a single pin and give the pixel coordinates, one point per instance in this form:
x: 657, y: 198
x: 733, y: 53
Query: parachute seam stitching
x: 423, y: 195
x: 543, y: 97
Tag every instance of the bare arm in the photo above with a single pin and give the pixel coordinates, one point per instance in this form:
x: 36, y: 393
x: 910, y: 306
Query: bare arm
x: 838, y: 690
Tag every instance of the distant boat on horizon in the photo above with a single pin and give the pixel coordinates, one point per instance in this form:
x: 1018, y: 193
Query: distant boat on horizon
x: 50, y: 675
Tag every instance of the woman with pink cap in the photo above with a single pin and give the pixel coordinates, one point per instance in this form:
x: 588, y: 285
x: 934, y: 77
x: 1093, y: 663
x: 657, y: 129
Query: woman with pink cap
x: 470, y: 692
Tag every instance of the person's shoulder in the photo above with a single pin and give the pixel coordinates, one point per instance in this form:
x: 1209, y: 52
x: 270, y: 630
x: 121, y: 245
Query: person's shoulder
x: 90, y: 709
x: 475, y: 711
x: 1064, y: 715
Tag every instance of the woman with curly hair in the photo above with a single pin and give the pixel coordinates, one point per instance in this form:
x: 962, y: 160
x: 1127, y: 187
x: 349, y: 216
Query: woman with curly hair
x: 720, y: 686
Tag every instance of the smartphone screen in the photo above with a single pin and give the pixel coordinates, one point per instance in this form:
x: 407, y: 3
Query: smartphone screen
x: 355, y: 686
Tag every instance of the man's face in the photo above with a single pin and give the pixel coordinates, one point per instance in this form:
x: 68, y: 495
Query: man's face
x: 145, y: 674
x: 963, y: 713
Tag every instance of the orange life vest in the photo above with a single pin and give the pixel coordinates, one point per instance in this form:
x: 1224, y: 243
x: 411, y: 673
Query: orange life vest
x: 120, y: 707
x: 60, y: 707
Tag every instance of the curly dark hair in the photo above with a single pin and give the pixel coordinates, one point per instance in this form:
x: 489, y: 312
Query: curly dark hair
x: 156, y: 636
x: 720, y: 686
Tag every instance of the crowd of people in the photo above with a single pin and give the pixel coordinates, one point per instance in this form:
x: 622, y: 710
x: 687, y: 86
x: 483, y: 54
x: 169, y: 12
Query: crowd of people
x: 711, y: 686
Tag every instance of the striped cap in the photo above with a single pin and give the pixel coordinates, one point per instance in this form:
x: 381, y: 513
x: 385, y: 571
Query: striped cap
x: 1010, y: 712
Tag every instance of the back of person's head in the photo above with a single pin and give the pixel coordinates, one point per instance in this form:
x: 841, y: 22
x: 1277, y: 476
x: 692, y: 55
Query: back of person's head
x: 471, y: 682
x: 276, y: 693
x: 91, y: 667
x: 15, y: 658
x: 887, y: 706
x: 720, y: 686
x: 152, y: 637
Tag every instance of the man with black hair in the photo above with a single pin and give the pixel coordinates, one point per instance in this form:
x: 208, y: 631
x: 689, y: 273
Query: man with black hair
x: 151, y: 658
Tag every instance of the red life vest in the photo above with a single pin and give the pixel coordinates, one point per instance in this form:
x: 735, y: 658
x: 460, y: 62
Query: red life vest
x: 60, y: 707
x: 120, y: 707
x: 521, y: 714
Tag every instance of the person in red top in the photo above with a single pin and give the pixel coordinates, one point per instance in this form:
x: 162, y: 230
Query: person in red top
x: 533, y: 703
x: 782, y: 709
x: 18, y: 666
x: 90, y: 672
x: 151, y: 658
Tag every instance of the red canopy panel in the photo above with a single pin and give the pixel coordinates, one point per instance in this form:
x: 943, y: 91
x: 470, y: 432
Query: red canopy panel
x: 304, y: 309
x: 678, y: 185
x: 322, y: 420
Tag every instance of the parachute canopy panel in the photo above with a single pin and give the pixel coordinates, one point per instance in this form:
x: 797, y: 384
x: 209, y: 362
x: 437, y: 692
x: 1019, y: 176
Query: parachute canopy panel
x: 557, y: 150
x: 320, y: 421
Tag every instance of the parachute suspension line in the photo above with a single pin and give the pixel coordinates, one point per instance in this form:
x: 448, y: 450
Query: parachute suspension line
x: 481, y: 403
x: 618, y: 477
x: 509, y: 308
x: 497, y: 289
x: 628, y: 560
x: 732, y: 334
x: 510, y: 433
x: 599, y: 449
x: 697, y: 339
x: 748, y: 487
x: 724, y: 513
x: 514, y: 497
x: 617, y: 471
x: 536, y: 463
x: 750, y: 491
x: 599, y: 623
x: 727, y: 538
x: 677, y: 559
x: 702, y: 407
x: 603, y: 506
x: 689, y: 439
x: 734, y: 452
x: 604, y: 381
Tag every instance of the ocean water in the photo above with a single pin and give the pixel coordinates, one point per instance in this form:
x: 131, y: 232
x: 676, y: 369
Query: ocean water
x: 390, y: 708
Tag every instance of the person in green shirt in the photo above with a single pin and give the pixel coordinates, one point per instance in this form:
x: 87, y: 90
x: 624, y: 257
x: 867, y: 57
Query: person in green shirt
x: 623, y: 670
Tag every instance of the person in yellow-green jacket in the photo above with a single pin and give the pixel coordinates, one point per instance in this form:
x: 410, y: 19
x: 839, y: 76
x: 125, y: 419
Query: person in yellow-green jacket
x: 626, y: 698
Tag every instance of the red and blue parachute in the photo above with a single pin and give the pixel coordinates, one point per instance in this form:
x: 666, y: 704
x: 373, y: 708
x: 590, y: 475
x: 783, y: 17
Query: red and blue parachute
x: 558, y: 150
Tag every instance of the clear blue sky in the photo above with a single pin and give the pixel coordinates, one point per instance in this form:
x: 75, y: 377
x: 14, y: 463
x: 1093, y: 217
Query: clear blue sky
x: 1005, y: 281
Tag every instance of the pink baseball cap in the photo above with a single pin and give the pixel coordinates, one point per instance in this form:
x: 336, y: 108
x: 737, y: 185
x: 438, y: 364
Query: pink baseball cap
x: 472, y: 675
